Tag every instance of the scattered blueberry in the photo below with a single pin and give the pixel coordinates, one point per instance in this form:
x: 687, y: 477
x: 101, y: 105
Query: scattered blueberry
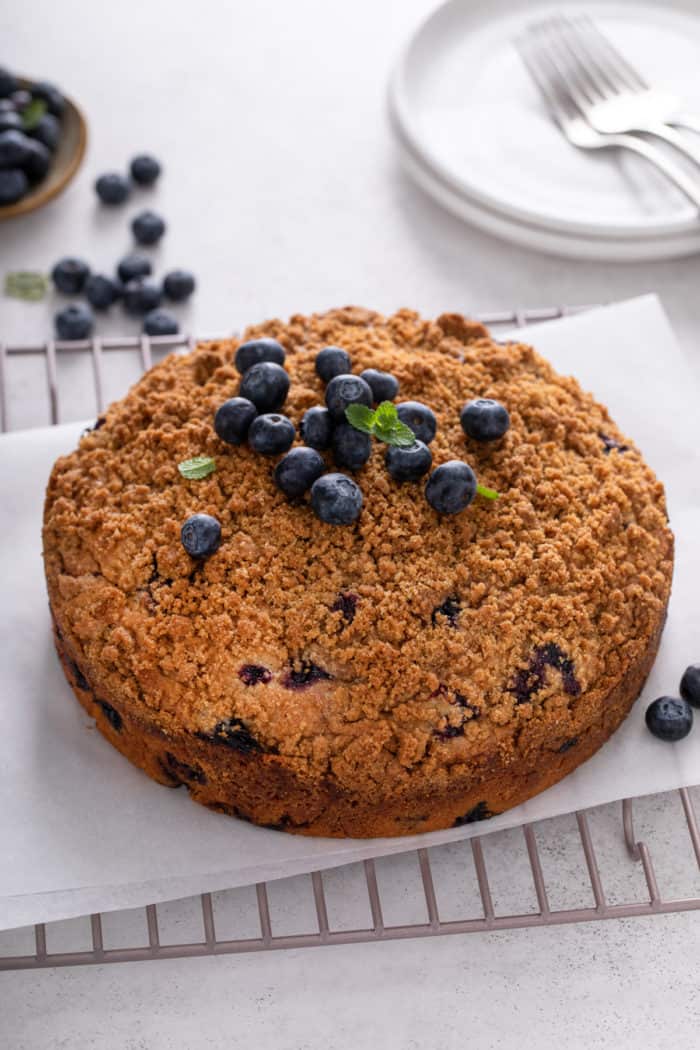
x: 160, y: 322
x: 567, y: 745
x: 178, y: 285
x: 317, y: 427
x: 10, y: 121
x: 111, y: 714
x: 147, y: 227
x: 479, y: 812
x: 234, y: 734
x: 144, y: 169
x: 70, y: 275
x: 306, y: 674
x: 450, y: 609
x: 529, y: 680
x: 610, y: 443
x: 201, y: 535
x: 296, y: 472
x: 113, y: 188
x: 271, y: 434
x: 13, y: 185
x: 141, y: 295
x: 266, y: 384
x: 37, y: 162
x: 484, y: 419
x: 132, y: 266
x: 14, y: 149
x: 233, y: 419
x: 47, y: 130
x: 331, y: 362
x: 182, y: 772
x: 408, y: 464
x: 351, y: 448
x: 336, y: 499
x: 101, y: 291
x: 669, y: 718
x: 49, y: 93
x: 20, y: 99
x: 253, y: 674
x: 256, y: 350
x: 79, y: 678
x: 451, y: 487
x: 383, y: 385
x: 344, y: 390
x: 419, y: 418
x: 346, y: 603
x: 74, y: 322
x: 690, y: 685
x: 8, y: 83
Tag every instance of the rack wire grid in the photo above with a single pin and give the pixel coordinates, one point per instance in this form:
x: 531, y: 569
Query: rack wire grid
x: 420, y: 893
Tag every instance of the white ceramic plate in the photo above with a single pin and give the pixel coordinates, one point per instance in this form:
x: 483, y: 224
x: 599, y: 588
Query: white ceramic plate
x: 469, y: 115
x: 554, y: 242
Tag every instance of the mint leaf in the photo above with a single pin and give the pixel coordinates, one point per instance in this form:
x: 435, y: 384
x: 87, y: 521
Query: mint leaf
x: 386, y: 414
x: 389, y: 428
x: 486, y: 492
x: 398, y: 434
x: 197, y: 468
x: 361, y: 418
x: 383, y: 423
x: 32, y: 114
x: 24, y: 284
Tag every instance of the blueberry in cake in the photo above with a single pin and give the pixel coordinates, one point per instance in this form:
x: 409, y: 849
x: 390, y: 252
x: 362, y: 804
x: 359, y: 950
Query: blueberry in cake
x: 359, y: 575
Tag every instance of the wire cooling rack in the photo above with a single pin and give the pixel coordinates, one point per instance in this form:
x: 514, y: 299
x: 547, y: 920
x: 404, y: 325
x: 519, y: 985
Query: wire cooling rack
x: 542, y: 874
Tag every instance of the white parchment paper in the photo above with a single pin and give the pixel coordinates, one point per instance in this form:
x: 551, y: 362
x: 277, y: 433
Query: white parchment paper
x: 82, y: 830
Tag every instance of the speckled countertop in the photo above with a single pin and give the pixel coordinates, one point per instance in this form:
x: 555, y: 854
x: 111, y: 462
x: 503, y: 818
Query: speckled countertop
x: 283, y: 193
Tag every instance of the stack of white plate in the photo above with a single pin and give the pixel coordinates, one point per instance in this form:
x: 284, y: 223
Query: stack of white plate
x: 476, y: 136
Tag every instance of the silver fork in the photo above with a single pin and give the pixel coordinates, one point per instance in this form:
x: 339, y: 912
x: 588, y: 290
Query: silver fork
x: 563, y: 108
x: 611, y: 94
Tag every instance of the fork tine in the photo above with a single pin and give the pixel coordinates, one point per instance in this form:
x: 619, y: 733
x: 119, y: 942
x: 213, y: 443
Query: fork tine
x: 606, y: 52
x: 583, y: 85
x: 535, y: 59
x: 588, y: 52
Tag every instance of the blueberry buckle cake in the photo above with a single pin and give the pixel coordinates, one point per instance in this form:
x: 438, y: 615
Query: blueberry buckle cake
x: 357, y: 575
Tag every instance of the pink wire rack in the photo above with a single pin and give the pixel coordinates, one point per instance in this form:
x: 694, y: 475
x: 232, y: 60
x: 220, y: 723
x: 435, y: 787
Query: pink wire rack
x: 650, y: 902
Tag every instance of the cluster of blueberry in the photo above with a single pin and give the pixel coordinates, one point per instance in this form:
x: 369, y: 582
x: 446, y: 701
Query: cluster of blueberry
x: 133, y: 284
x: 30, y: 129
x: 254, y: 415
x: 671, y: 717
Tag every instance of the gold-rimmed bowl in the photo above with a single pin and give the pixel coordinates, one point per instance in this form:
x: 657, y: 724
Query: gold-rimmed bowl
x: 64, y: 162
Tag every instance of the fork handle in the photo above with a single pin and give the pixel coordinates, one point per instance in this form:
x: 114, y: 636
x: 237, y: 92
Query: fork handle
x: 688, y: 187
x: 674, y: 138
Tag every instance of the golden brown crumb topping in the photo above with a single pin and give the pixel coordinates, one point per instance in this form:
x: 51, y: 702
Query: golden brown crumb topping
x: 407, y: 638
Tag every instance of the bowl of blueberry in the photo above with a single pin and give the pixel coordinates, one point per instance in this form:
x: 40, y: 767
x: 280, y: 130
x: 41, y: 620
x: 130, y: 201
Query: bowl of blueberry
x: 42, y: 143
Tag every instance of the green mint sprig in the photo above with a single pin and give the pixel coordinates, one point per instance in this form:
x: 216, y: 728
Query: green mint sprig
x: 25, y: 284
x: 197, y: 468
x: 32, y: 114
x: 382, y: 423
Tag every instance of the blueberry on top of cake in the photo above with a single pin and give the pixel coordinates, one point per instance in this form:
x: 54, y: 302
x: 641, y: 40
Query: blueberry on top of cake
x: 442, y: 624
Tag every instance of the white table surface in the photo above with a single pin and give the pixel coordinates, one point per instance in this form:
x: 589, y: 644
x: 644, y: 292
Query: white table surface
x: 282, y: 192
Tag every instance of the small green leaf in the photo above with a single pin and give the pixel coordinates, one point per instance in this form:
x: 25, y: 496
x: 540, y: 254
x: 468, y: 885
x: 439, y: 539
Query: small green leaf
x: 386, y: 414
x: 486, y: 492
x: 24, y: 284
x: 399, y: 434
x: 197, y: 468
x: 361, y: 418
x: 32, y: 114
